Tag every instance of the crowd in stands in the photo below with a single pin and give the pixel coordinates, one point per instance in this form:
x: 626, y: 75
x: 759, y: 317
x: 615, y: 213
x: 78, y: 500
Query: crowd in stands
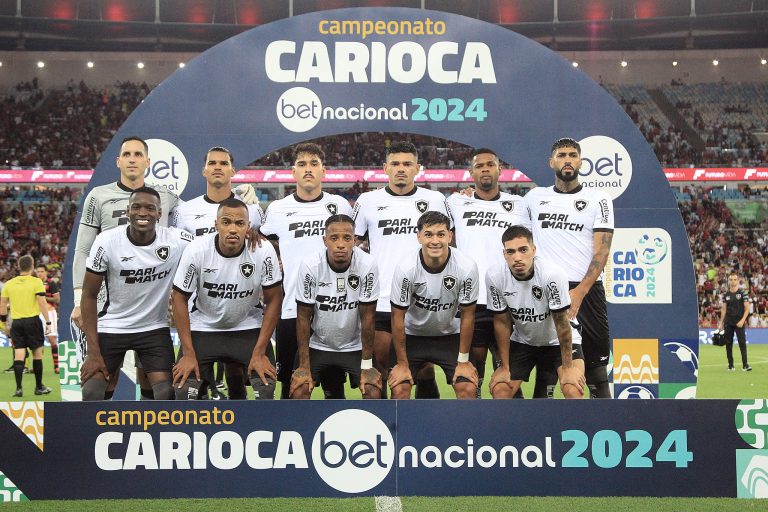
x: 36, y: 222
x: 721, y: 245
x: 71, y: 127
x: 48, y: 128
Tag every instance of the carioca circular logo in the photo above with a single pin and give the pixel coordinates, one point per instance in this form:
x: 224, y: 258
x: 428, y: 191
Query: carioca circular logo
x: 353, y: 451
x: 298, y: 109
x: 651, y: 250
x: 168, y: 167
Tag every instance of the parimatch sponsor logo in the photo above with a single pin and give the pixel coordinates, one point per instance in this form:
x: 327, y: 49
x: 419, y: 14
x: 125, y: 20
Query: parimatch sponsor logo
x: 433, y: 305
x: 528, y: 315
x: 486, y: 219
x: 397, y: 226
x: 226, y: 291
x: 335, y: 304
x: 307, y: 228
x: 558, y: 221
x: 143, y: 275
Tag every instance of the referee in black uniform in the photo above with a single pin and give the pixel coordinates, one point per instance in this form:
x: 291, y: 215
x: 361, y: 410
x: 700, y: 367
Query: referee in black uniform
x: 733, y: 318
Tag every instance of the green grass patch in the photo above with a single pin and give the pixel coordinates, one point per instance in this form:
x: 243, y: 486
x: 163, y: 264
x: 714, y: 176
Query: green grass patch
x: 410, y: 504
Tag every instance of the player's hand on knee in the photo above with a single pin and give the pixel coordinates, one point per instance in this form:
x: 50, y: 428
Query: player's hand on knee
x: 77, y: 317
x: 182, y: 370
x: 500, y: 376
x: 263, y: 367
x: 301, y: 377
x: 370, y: 377
x: 572, y: 376
x: 466, y: 370
x: 398, y: 374
x: 92, y: 366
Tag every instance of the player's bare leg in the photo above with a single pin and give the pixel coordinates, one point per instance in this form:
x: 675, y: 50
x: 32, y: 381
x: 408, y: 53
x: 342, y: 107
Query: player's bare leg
x: 382, y: 344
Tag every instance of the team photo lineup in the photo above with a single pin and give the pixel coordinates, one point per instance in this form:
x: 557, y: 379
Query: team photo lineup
x: 378, y: 293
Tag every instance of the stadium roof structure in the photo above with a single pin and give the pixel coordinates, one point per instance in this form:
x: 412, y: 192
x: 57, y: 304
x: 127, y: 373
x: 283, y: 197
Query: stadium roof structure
x: 562, y: 25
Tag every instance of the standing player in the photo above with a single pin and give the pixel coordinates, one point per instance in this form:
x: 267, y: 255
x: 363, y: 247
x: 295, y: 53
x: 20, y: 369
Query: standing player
x: 428, y: 289
x: 534, y: 293
x: 479, y: 221
x: 137, y: 264
x: 336, y: 295
x: 106, y: 207
x: 733, y: 317
x: 52, y: 299
x: 26, y: 295
x: 388, y: 218
x: 225, y: 323
x: 297, y: 223
x: 198, y: 216
x: 573, y: 227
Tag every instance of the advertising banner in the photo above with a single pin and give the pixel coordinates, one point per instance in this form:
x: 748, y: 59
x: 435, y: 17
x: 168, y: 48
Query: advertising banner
x: 390, y: 448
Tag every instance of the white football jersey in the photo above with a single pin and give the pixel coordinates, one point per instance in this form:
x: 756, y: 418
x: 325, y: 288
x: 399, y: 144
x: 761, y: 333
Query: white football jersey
x: 138, y: 278
x: 531, y: 302
x: 336, y: 297
x: 227, y: 288
x: 299, y: 226
x: 479, y: 224
x: 198, y: 215
x: 433, y: 298
x: 564, y: 225
x: 390, y: 221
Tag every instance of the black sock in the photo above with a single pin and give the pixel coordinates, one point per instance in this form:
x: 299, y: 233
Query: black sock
x: 147, y: 394
x: 55, y: 356
x: 37, y: 367
x: 18, y: 371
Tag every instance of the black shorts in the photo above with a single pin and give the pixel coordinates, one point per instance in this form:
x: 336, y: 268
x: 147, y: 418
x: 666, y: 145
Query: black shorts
x: 153, y: 348
x: 27, y: 333
x: 522, y: 359
x: 384, y: 321
x: 287, y: 348
x: 593, y: 317
x: 483, y: 335
x: 321, y: 361
x: 440, y: 350
x: 227, y: 346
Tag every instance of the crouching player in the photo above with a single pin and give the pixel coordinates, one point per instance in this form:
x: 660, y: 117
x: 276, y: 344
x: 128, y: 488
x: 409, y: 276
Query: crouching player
x: 336, y: 292
x: 428, y: 289
x: 224, y: 323
x: 535, y: 294
x: 138, y: 263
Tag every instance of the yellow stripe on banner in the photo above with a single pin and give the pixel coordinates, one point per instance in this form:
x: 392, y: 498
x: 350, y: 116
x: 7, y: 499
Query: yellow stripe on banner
x: 28, y: 416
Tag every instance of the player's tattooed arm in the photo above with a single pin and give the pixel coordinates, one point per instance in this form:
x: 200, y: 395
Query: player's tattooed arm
x: 502, y: 330
x: 601, y: 249
x: 302, y: 375
x: 571, y: 373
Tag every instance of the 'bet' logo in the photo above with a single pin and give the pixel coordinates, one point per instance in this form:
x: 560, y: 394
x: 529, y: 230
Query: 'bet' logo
x: 168, y: 166
x: 605, y: 165
x: 353, y: 451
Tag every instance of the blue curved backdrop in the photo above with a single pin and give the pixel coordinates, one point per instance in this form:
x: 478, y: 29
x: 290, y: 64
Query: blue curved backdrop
x: 225, y: 97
